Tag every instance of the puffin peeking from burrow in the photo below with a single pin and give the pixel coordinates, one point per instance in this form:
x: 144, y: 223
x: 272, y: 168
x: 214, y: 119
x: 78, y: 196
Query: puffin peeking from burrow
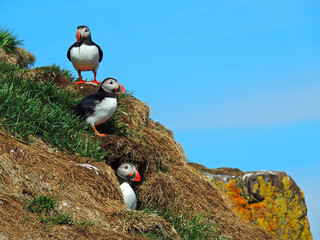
x: 127, y: 173
x: 84, y: 54
x: 98, y: 107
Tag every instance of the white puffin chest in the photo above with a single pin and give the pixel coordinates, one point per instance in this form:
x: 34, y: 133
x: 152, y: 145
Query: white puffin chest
x: 129, y: 196
x: 103, y: 111
x: 85, y: 57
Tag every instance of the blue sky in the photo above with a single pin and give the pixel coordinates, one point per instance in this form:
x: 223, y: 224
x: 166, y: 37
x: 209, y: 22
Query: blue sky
x: 237, y: 81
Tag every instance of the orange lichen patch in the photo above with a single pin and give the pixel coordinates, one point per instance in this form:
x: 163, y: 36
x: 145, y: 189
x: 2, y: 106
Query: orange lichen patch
x: 280, y: 214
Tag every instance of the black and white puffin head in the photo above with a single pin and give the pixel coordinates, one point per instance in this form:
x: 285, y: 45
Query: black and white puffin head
x: 83, y: 33
x: 128, y: 172
x: 111, y: 85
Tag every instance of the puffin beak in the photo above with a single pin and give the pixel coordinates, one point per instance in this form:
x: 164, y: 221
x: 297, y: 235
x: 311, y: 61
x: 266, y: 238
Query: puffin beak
x: 137, y: 176
x: 120, y: 89
x: 78, y: 36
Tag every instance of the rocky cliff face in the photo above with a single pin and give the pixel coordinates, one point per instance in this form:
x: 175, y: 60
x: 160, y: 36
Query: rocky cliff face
x: 270, y: 199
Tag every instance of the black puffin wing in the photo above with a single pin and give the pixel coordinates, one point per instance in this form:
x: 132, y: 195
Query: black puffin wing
x: 87, y: 105
x: 100, y: 52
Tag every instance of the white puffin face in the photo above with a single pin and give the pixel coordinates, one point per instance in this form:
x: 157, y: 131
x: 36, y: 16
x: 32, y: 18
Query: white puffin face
x: 128, y: 171
x: 110, y: 85
x: 82, y: 33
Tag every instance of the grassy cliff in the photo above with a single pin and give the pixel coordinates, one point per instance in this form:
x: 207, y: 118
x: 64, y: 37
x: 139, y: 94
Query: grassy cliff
x: 57, y: 178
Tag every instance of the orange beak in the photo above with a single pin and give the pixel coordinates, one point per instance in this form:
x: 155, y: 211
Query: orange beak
x: 137, y: 176
x: 121, y: 89
x: 78, y: 36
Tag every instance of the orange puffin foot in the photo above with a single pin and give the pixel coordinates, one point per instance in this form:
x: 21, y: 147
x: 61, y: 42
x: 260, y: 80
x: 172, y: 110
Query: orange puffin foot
x: 95, y: 81
x: 99, y: 134
x: 81, y: 81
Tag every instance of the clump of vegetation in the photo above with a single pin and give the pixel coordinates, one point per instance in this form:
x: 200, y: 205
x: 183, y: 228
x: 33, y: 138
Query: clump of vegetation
x: 57, y: 70
x: 188, y: 225
x: 279, y: 214
x: 11, y: 50
x: 46, y: 208
x: 41, y: 204
x: 31, y: 108
x: 8, y: 42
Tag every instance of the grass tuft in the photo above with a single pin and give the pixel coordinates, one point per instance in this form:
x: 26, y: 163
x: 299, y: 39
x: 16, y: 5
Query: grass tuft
x: 8, y: 42
x: 57, y: 70
x: 45, y: 207
x: 188, y: 225
x: 41, y: 204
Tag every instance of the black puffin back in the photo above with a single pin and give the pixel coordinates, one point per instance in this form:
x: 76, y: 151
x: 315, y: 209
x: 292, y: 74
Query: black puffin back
x: 87, y: 105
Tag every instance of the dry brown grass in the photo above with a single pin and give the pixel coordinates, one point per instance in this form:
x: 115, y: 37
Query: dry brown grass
x: 219, y: 171
x: 20, y: 57
x: 40, y: 75
x: 139, y: 222
x: 90, y: 194
x: 167, y: 179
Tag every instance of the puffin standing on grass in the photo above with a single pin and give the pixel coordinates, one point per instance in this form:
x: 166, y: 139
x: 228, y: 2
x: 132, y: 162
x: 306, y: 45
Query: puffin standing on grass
x: 98, y: 107
x: 84, y: 54
x: 127, y: 173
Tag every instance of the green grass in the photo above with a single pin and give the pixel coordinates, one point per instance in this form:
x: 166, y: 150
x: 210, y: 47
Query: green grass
x: 46, y: 208
x: 188, y: 225
x: 41, y: 204
x: 57, y: 70
x: 31, y: 108
x: 8, y: 42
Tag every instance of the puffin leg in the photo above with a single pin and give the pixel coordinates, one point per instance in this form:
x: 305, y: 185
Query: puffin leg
x: 80, y: 79
x: 95, y: 78
x: 99, y: 134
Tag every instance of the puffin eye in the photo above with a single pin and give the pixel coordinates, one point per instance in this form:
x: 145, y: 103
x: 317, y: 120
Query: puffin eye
x: 111, y: 83
x: 126, y: 167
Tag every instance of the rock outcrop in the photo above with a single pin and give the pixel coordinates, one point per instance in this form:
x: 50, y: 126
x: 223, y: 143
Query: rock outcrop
x: 270, y: 199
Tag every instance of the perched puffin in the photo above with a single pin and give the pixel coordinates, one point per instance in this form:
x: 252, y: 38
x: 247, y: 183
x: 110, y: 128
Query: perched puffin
x: 127, y: 173
x: 84, y: 54
x: 98, y: 107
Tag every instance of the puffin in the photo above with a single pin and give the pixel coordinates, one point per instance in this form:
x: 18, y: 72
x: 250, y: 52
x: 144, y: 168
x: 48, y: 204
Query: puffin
x: 127, y: 173
x: 98, y: 107
x: 84, y: 54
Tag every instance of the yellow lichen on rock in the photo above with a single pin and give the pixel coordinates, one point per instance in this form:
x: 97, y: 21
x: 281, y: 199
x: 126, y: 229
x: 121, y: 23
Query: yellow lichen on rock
x: 280, y: 213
